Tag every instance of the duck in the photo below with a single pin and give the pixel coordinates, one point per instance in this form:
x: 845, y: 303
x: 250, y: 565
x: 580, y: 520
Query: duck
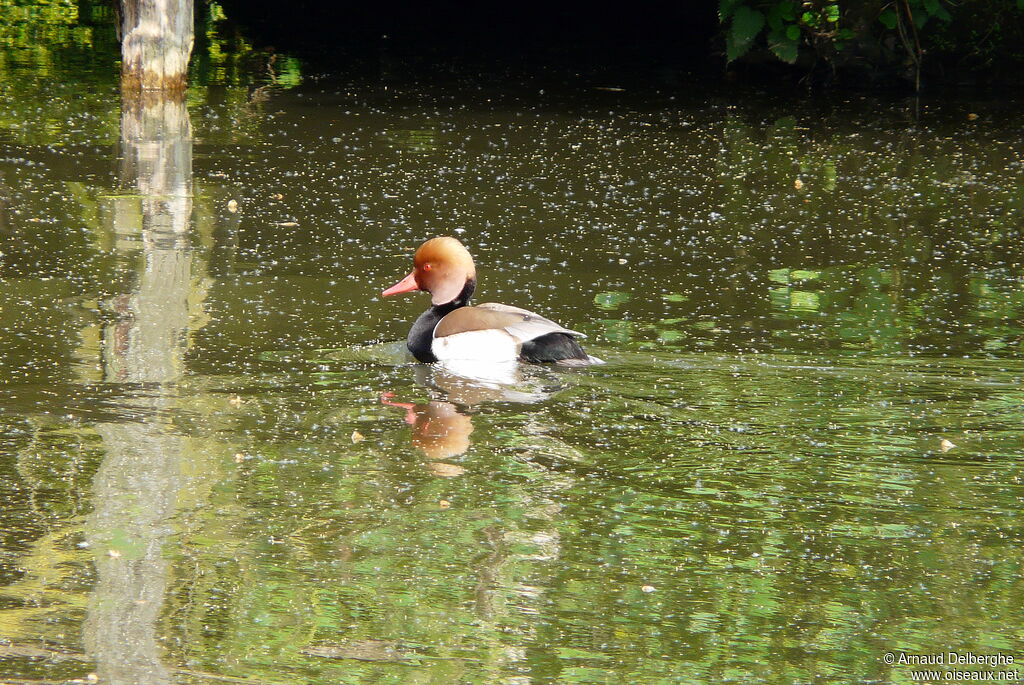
x: 452, y: 329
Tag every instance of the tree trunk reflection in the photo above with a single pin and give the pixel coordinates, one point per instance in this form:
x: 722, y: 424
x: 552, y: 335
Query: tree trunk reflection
x: 136, y: 489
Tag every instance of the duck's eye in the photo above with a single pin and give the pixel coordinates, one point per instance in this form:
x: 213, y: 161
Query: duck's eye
x: 428, y: 266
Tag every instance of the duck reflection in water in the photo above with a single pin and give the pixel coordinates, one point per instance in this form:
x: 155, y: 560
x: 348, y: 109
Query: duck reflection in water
x: 440, y: 429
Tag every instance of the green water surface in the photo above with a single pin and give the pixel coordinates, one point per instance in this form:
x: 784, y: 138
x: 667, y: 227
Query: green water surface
x: 217, y: 464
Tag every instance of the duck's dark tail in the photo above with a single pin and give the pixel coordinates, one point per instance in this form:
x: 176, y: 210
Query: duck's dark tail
x: 560, y: 348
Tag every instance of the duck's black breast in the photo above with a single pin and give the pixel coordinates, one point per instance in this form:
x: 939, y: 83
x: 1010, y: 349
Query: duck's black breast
x: 421, y: 336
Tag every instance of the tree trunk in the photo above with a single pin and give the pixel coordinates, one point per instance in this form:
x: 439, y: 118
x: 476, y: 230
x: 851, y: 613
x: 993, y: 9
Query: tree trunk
x: 156, y: 44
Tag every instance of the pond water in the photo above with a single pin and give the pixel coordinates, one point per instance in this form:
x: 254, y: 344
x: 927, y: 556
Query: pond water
x: 218, y: 465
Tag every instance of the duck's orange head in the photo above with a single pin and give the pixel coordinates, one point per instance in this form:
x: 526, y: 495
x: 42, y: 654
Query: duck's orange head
x: 442, y: 267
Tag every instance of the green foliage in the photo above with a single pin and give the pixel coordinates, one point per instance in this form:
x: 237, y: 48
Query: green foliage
x: 827, y: 27
x: 746, y: 22
x: 783, y: 33
x: 916, y: 12
x: 889, y: 18
x: 786, y: 24
x: 982, y: 37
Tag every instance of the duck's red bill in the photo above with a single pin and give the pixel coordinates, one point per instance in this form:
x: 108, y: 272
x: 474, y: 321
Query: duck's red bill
x: 406, y: 285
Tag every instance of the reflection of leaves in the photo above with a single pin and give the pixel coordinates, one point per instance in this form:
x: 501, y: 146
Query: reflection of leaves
x: 574, y: 653
x: 582, y: 674
x: 804, y: 300
x: 611, y: 300
x: 616, y: 330
x: 877, y: 308
x: 830, y: 175
x: 413, y: 140
x: 289, y: 73
x: 703, y: 622
x: 10, y: 650
x: 364, y: 650
x: 787, y: 276
x: 123, y: 545
x: 670, y: 335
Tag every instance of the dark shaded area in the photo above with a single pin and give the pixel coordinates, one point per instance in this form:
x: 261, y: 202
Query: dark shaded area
x: 660, y: 44
x: 982, y: 45
x: 556, y: 39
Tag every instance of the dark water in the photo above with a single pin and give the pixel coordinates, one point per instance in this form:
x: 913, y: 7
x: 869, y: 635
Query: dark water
x: 217, y: 465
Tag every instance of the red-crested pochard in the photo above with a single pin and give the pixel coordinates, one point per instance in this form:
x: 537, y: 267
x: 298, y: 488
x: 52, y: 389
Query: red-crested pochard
x: 453, y: 330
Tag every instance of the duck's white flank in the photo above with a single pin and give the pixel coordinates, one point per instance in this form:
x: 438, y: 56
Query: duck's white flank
x: 491, y: 345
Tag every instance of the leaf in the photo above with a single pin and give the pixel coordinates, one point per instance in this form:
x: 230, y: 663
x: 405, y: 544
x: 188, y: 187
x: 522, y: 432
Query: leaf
x: 781, y: 13
x: 888, y: 18
x: 793, y: 32
x: 921, y: 18
x: 936, y: 9
x: 832, y: 13
x: 783, y: 47
x: 726, y: 9
x: 746, y: 24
